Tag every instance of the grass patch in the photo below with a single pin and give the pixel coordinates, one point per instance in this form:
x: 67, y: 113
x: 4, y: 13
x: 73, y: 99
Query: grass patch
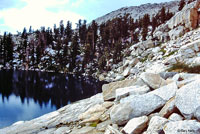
x: 181, y: 67
x: 171, y: 53
x: 163, y: 50
x: 94, y: 124
x: 144, y: 59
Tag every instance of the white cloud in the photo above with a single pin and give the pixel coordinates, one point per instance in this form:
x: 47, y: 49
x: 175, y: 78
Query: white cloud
x: 36, y: 14
x: 77, y: 3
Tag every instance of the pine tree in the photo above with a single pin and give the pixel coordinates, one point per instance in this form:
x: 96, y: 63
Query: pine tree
x: 9, y: 48
x: 83, y: 32
x: 169, y: 15
x: 24, y: 33
x: 94, y: 27
x: 32, y: 53
x: 69, y: 31
x: 117, y: 52
x: 154, y: 24
x: 145, y: 24
x: 181, y: 5
x: 56, y: 32
x: 38, y: 54
x: 75, y: 50
x: 125, y: 26
x: 30, y: 29
x: 4, y: 49
x: 65, y: 58
x: 62, y: 28
x: 163, y: 15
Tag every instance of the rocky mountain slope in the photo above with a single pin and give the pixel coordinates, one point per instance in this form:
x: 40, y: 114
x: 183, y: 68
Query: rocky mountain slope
x: 137, y: 12
x: 175, y: 44
x: 143, y: 96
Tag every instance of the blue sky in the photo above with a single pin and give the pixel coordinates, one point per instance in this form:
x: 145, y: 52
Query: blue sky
x: 16, y: 14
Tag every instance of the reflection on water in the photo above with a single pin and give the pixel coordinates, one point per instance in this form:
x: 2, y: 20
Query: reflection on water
x: 25, y: 95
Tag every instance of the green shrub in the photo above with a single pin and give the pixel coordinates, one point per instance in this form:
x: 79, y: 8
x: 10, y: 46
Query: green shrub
x: 171, y: 53
x: 182, y: 67
x: 144, y: 59
x: 163, y: 50
x: 94, y: 124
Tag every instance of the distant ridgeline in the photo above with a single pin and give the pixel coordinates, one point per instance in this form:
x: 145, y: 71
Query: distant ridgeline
x: 86, y: 49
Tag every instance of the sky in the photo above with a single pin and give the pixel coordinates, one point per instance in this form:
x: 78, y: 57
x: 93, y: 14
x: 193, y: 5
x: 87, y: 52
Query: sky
x: 17, y: 14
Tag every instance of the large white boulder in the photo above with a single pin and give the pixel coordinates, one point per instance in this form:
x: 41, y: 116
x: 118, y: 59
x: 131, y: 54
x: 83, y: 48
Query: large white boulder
x: 153, y: 80
x: 109, y: 90
x: 147, y: 103
x: 187, y: 99
x: 132, y: 90
x: 156, y: 124
x: 136, y: 125
x: 121, y: 113
x: 182, y: 127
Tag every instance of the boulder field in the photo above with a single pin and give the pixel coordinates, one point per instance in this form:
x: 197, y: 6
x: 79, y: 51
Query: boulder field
x: 150, y: 104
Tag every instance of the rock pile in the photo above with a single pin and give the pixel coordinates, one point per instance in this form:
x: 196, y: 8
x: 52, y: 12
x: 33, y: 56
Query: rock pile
x: 166, y: 103
x: 175, y: 44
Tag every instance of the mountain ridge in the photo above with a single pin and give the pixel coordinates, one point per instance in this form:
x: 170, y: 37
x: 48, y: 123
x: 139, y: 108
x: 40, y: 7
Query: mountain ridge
x: 136, y: 11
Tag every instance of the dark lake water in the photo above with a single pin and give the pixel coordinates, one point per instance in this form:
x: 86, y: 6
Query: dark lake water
x: 25, y: 95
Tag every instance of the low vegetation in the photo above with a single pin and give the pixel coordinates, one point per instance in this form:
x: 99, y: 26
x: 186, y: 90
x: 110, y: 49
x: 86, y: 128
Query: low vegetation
x: 182, y: 67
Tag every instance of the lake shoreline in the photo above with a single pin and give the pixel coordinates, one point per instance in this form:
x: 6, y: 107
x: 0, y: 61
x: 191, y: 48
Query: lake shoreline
x: 52, y: 88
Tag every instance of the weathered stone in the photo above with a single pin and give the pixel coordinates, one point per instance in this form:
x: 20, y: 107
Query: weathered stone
x: 156, y: 50
x: 126, y: 63
x: 168, y: 109
x: 153, y: 80
x: 111, y: 130
x: 166, y: 92
x: 126, y: 71
x: 107, y: 104
x: 183, y: 127
x: 46, y: 131
x: 171, y: 60
x: 62, y: 130
x: 175, y: 117
x: 121, y: 113
x: 189, y: 49
x: 187, y: 99
x: 134, y: 71
x: 197, y: 113
x: 166, y: 75
x: 176, y: 32
x: 143, y: 104
x: 152, y: 115
x: 147, y: 103
x: 148, y: 44
x: 109, y: 89
x: 119, y: 77
x: 187, y: 16
x: 101, y: 77
x: 185, y: 76
x: 84, y: 130
x: 196, y: 62
x: 133, y: 62
x: 132, y: 90
x: 95, y: 111
x: 156, y: 124
x: 136, y: 125
x: 103, y: 125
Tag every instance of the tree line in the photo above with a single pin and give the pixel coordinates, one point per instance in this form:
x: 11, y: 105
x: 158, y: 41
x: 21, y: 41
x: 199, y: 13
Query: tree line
x: 88, y: 46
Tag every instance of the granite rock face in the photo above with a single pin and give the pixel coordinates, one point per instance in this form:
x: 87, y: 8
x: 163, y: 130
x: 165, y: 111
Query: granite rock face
x: 109, y: 90
x: 187, y: 99
x: 136, y: 125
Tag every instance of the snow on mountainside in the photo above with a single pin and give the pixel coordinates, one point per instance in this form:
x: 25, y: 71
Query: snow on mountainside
x: 139, y: 11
